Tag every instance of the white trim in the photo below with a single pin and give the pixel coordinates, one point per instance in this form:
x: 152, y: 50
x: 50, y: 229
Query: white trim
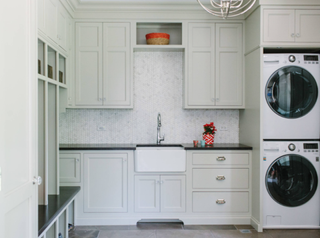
x: 187, y: 220
x: 256, y: 224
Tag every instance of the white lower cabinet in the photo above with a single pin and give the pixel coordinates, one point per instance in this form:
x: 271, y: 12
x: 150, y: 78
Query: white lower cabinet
x: 160, y: 193
x: 220, y: 183
x: 215, y: 189
x: 220, y: 202
x: 105, y: 182
x: 69, y: 168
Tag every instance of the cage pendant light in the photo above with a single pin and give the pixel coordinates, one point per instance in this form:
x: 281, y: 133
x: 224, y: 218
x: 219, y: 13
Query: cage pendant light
x: 228, y: 8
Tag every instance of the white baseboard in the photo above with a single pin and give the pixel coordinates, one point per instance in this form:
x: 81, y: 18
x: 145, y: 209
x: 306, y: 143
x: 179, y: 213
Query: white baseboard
x: 187, y: 220
x: 256, y: 224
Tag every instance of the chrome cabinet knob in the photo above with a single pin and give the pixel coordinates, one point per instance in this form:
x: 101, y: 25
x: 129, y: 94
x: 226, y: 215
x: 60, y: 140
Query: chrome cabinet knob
x: 297, y: 35
x: 292, y: 35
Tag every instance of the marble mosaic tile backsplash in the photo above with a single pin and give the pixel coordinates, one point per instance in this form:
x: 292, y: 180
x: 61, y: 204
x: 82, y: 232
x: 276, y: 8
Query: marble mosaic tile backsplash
x: 158, y: 87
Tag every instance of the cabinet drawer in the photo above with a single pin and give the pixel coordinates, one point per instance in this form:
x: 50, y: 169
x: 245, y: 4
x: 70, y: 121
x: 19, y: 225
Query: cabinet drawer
x: 220, y: 159
x: 230, y: 202
x: 220, y: 178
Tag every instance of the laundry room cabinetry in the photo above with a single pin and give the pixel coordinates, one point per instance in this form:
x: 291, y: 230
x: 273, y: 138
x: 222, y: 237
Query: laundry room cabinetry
x: 69, y: 168
x: 105, y: 182
x: 283, y: 26
x: 220, y: 182
x: 103, y: 64
x: 215, y: 66
x: 53, y: 22
x: 160, y: 193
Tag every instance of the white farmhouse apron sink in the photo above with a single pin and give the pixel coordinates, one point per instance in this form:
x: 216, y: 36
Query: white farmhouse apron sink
x: 160, y: 158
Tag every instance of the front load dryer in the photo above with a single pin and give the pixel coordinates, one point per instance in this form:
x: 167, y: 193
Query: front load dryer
x: 291, y: 108
x: 291, y: 197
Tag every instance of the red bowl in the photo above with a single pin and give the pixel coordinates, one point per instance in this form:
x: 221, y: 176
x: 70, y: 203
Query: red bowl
x: 157, y: 35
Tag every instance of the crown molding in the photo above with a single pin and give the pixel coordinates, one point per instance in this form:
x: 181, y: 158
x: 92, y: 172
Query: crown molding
x: 68, y: 6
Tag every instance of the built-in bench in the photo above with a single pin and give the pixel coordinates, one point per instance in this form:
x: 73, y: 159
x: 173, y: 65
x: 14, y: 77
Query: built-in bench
x: 55, y: 217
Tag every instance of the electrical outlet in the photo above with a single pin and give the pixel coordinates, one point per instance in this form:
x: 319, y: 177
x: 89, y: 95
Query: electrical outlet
x: 223, y: 128
x: 101, y: 128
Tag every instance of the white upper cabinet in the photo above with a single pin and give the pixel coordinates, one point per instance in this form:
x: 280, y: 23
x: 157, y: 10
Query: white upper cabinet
x: 229, y: 73
x: 51, y: 18
x: 88, y: 80
x: 103, y: 78
x: 41, y: 15
x: 62, y: 28
x: 307, y: 22
x: 53, y: 22
x: 201, y: 73
x: 116, y: 65
x: 286, y: 26
x: 278, y: 25
x: 215, y: 75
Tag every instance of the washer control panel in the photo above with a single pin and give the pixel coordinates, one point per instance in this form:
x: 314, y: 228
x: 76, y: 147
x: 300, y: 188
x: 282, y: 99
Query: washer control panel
x: 310, y: 147
x: 311, y: 59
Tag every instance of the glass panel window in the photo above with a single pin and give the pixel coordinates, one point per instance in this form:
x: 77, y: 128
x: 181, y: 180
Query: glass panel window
x: 291, y: 180
x: 291, y: 92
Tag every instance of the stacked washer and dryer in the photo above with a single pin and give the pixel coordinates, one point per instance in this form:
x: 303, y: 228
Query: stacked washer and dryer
x: 291, y: 132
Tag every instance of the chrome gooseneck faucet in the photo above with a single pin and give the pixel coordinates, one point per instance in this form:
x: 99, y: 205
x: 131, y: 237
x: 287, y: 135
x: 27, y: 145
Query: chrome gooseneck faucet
x: 159, y: 138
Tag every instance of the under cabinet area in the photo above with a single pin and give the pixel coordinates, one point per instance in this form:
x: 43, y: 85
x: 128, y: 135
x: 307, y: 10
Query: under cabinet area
x: 211, y: 82
x: 160, y: 193
x: 103, y: 65
x: 283, y: 26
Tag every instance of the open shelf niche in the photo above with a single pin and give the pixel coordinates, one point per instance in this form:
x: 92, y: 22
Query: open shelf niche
x: 174, y: 29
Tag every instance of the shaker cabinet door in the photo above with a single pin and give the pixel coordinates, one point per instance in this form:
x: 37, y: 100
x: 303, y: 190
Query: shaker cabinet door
x: 116, y: 64
x: 88, y: 81
x: 69, y: 168
x: 51, y: 10
x: 201, y: 72
x: 229, y: 57
x: 278, y: 25
x: 173, y: 193
x: 105, y: 182
x: 306, y: 20
x: 215, y: 66
x: 146, y: 193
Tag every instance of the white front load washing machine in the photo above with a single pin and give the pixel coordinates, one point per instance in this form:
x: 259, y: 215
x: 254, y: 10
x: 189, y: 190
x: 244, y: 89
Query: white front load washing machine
x: 291, y: 109
x: 291, y: 196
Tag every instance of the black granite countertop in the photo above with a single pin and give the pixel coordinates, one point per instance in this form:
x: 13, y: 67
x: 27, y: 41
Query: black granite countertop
x: 97, y: 146
x: 56, y: 203
x: 218, y: 146
x: 215, y: 146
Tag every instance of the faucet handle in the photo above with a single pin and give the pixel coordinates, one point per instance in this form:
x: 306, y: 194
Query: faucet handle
x: 163, y: 137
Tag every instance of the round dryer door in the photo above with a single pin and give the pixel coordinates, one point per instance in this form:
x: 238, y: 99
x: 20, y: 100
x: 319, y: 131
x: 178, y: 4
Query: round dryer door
x: 291, y: 92
x: 291, y: 180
